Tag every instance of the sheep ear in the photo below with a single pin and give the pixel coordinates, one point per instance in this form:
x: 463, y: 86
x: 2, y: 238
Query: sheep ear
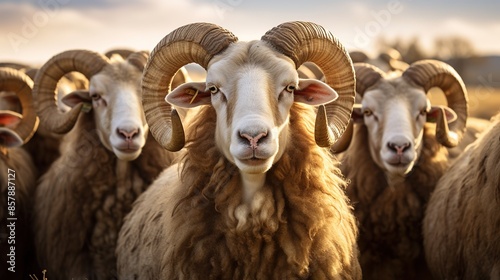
x: 432, y: 115
x: 189, y: 95
x: 9, y: 119
x: 357, y: 114
x: 76, y: 97
x: 314, y: 92
x: 9, y: 138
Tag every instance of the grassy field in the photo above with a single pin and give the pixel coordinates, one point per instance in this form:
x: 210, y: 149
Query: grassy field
x: 484, y: 102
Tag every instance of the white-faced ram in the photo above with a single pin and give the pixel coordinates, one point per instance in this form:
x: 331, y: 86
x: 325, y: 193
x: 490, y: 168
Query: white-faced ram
x: 396, y: 158
x: 17, y: 178
x: 462, y: 221
x: 107, y: 160
x: 254, y: 197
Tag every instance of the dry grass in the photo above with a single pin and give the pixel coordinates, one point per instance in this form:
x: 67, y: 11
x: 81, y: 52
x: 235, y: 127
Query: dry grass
x: 484, y: 102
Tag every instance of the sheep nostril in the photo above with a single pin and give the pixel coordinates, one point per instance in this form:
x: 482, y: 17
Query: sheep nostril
x: 253, y: 140
x: 398, y: 148
x: 128, y: 135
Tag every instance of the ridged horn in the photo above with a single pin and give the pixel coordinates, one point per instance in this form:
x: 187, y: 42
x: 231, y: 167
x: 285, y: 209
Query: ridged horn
x: 196, y: 42
x: 358, y: 56
x: 138, y: 59
x: 307, y: 41
x: 394, y: 59
x: 18, y: 82
x: 124, y: 53
x: 86, y: 62
x: 367, y: 76
x: 433, y: 73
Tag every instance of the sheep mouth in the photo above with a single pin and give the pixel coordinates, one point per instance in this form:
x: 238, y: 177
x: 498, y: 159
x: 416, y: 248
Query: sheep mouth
x: 253, y: 161
x: 398, y: 164
x: 398, y: 161
x: 399, y: 167
x: 128, y: 149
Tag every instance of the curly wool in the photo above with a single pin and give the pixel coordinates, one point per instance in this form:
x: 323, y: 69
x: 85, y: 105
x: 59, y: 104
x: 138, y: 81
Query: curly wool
x: 462, y: 222
x: 390, y: 218
x: 81, y: 202
x: 44, y: 149
x: 299, y: 225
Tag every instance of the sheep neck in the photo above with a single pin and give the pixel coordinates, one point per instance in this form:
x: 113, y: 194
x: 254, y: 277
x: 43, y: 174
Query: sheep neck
x: 394, y: 180
x: 122, y: 169
x: 251, y: 184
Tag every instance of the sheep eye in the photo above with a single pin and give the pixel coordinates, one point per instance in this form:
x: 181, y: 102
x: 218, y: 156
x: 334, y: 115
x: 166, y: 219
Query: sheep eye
x: 95, y: 96
x: 213, y: 89
x: 422, y: 113
x: 367, y: 112
x: 290, y: 88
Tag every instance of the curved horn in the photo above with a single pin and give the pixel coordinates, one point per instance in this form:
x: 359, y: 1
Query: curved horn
x: 86, y: 62
x: 15, y: 81
x: 394, y: 59
x: 358, y: 56
x: 124, y: 53
x: 180, y: 78
x: 306, y: 41
x: 14, y: 65
x: 138, y: 59
x: 31, y: 72
x: 367, y: 76
x: 198, y: 43
x: 433, y: 73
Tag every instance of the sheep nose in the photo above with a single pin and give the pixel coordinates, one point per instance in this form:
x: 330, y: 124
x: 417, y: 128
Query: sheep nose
x: 253, y: 138
x: 398, y: 148
x: 127, y: 134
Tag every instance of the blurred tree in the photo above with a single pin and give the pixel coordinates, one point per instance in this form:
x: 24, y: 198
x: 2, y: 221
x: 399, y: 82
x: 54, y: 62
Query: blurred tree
x: 455, y: 50
x: 410, y: 51
x: 413, y: 52
x: 453, y: 47
x: 382, y: 44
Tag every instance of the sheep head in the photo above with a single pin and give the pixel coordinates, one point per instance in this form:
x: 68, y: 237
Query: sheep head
x: 16, y: 129
x: 252, y: 86
x: 113, y: 97
x: 394, y: 107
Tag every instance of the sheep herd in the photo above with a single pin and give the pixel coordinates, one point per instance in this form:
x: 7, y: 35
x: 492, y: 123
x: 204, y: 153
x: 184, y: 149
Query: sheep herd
x: 293, y: 159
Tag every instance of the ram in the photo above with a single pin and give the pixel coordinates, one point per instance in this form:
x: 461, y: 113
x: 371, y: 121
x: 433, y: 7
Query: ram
x: 107, y: 160
x: 396, y: 158
x: 8, y: 99
x: 17, y: 178
x: 44, y: 145
x: 462, y: 222
x: 254, y: 197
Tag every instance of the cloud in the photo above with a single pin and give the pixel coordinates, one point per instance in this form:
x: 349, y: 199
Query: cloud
x: 80, y: 4
x: 44, y: 28
x: 34, y: 34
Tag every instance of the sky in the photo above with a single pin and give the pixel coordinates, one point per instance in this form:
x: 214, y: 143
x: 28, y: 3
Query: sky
x: 32, y: 31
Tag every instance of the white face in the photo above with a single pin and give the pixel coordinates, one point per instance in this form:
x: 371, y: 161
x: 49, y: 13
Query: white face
x: 252, y: 89
x: 252, y: 105
x: 116, y: 102
x: 395, y: 117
